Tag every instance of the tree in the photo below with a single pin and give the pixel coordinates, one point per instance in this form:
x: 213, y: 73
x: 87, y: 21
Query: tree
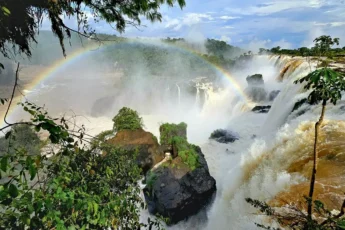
x: 74, y: 188
x: 303, y: 51
x: 127, y: 119
x: 275, y: 50
x: 20, y: 20
x: 324, y: 43
x: 262, y: 51
x: 326, y: 86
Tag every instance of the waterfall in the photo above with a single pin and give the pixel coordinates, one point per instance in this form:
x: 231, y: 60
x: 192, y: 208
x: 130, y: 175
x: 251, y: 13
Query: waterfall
x: 197, y: 97
x: 258, y: 165
x: 179, y: 94
x: 288, y: 96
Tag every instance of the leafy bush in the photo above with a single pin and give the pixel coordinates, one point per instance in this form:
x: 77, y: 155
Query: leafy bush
x: 127, y: 119
x: 171, y: 134
x: 76, y: 188
x: 169, y: 131
x: 190, y: 158
x: 151, y: 178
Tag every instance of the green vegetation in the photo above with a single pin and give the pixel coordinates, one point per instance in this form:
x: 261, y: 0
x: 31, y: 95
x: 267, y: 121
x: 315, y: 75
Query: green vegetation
x: 169, y: 131
x: 175, y: 135
x: 186, y: 151
x: 322, y: 46
x: 127, y: 119
x: 155, y: 139
x: 151, y: 178
x: 76, y: 188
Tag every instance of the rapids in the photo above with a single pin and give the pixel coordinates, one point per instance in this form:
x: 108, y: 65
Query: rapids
x: 271, y: 159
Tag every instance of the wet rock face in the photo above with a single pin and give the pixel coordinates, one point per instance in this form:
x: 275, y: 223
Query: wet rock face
x: 255, y: 80
x: 299, y: 103
x: 256, y: 88
x: 256, y: 94
x: 224, y: 136
x: 149, y: 151
x: 273, y: 94
x: 261, y: 109
x: 178, y: 192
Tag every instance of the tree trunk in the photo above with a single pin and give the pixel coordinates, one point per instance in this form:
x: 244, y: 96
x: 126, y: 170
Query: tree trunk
x: 313, y: 173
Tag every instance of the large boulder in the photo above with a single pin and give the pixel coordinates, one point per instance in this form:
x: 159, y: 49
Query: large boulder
x: 255, y: 90
x: 255, y: 80
x: 261, y: 109
x: 273, y: 94
x: 224, y: 136
x: 176, y: 192
x: 256, y: 94
x: 149, y: 151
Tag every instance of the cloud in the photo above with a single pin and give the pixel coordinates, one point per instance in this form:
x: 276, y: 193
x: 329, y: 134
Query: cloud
x: 276, y: 6
x: 282, y: 43
x: 228, y: 27
x: 290, y: 23
x: 188, y: 19
x: 225, y: 38
x: 255, y: 44
x: 225, y: 17
x: 331, y: 24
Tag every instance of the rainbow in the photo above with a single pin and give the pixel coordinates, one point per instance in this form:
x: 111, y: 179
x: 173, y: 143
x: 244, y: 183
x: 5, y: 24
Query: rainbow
x: 71, y: 58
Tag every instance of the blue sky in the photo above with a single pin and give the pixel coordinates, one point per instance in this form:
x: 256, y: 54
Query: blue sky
x: 247, y: 23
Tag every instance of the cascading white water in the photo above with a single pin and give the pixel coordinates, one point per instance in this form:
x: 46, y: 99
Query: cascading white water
x: 197, y: 96
x: 178, y: 94
x: 288, y: 96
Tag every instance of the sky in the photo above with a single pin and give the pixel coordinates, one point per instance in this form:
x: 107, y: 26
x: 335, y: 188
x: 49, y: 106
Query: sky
x: 250, y: 24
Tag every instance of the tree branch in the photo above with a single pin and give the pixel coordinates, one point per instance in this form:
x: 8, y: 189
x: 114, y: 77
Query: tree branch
x: 12, y: 96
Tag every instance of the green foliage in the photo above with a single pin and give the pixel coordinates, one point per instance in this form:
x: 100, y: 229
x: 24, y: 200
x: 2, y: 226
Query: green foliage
x: 127, y: 119
x: 323, y: 47
x: 155, y: 139
x: 324, y: 43
x: 222, y: 49
x: 169, y: 131
x: 326, y: 84
x: 175, y: 135
x: 151, y: 178
x: 189, y: 157
x: 76, y: 188
x: 20, y: 21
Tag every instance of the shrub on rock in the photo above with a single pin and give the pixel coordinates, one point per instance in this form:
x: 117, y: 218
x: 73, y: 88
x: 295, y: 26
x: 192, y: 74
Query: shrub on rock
x: 127, y: 119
